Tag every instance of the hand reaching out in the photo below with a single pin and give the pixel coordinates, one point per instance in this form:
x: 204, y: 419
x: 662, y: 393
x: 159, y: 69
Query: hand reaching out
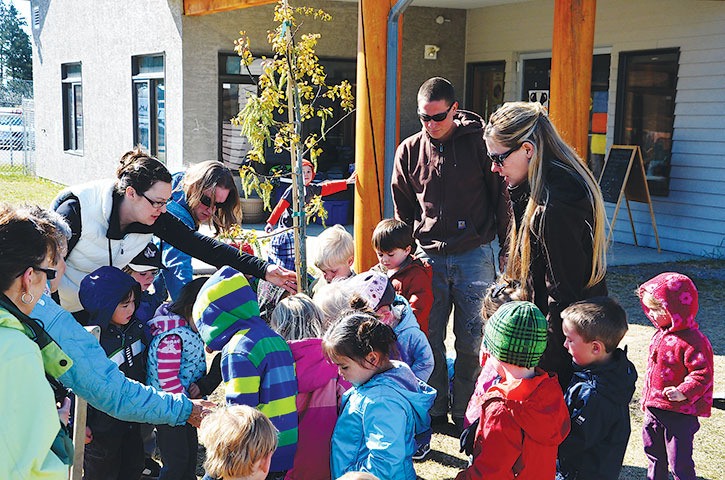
x: 199, y: 410
x: 282, y: 277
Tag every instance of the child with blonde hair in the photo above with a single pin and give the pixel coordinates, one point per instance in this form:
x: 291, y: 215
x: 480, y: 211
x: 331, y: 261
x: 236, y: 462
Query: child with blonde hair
x: 239, y: 441
x: 679, y: 380
x: 335, y: 252
x: 299, y: 321
x: 332, y: 299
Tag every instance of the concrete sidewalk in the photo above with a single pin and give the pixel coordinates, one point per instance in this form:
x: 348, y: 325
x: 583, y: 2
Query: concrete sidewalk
x: 618, y: 254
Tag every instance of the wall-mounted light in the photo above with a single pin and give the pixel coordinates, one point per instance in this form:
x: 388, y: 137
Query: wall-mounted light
x: 440, y: 19
x: 431, y: 52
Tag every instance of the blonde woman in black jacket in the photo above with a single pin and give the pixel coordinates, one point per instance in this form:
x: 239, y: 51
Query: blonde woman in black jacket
x: 557, y: 243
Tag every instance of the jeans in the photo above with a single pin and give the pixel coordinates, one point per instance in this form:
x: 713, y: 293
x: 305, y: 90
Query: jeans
x: 178, y: 446
x: 667, y: 439
x: 117, y: 454
x: 459, y: 283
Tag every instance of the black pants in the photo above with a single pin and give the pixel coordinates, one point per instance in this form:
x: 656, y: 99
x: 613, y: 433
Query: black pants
x: 178, y: 447
x: 115, y: 455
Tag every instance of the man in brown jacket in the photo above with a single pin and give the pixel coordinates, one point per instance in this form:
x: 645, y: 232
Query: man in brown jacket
x: 443, y: 185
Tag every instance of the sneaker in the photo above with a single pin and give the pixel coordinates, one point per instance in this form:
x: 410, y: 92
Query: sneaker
x: 422, y: 452
x: 151, y: 469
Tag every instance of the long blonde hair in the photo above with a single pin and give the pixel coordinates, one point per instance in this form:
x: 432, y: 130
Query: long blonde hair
x: 512, y: 125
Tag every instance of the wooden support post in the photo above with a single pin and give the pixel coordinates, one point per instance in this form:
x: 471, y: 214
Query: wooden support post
x: 79, y: 425
x: 571, y: 70
x: 370, y: 126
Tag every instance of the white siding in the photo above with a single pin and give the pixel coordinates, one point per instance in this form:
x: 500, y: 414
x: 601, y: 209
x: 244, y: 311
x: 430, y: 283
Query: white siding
x: 692, y: 218
x: 103, y: 36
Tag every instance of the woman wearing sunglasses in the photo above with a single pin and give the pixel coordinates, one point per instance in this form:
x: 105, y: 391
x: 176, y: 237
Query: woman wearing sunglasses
x: 557, y: 245
x: 204, y: 194
x: 30, y: 421
x: 113, y: 220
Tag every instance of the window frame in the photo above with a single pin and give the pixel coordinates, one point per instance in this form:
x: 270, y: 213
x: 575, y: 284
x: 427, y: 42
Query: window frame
x: 659, y: 185
x: 72, y: 98
x: 152, y: 79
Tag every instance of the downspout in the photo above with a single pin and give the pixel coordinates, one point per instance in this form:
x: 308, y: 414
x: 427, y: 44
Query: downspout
x: 391, y: 99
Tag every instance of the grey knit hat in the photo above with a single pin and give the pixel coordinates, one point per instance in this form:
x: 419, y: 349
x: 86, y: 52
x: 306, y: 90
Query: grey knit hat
x: 516, y: 334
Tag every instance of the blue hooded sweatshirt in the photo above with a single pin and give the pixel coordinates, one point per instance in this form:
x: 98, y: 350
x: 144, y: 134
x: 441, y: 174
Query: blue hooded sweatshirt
x: 378, y: 422
x: 179, y: 270
x: 413, y: 345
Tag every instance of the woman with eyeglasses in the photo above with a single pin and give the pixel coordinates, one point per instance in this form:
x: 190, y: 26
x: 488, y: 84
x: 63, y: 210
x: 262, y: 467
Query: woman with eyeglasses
x: 31, y: 424
x: 557, y: 244
x: 113, y: 220
x: 204, y: 193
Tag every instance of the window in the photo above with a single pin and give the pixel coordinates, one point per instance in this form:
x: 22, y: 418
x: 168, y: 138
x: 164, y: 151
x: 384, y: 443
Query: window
x: 646, y: 110
x: 536, y: 81
x: 235, y: 82
x: 149, y: 104
x: 72, y: 107
x: 485, y: 87
x: 234, y: 85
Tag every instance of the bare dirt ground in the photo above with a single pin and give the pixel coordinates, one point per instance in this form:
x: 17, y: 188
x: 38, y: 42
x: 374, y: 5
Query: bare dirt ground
x: 709, y: 277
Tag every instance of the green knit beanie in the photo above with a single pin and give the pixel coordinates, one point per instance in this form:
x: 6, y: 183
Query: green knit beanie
x: 516, y: 334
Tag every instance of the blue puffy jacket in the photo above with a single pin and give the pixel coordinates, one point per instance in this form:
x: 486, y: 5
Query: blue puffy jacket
x: 99, y: 381
x: 179, y: 270
x: 378, y: 423
x: 413, y: 345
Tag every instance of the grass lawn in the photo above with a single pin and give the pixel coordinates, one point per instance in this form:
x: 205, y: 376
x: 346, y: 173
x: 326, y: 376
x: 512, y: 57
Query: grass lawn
x: 16, y: 189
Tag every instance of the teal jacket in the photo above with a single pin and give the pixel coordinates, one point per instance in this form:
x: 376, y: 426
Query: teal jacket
x: 377, y: 426
x: 99, y: 381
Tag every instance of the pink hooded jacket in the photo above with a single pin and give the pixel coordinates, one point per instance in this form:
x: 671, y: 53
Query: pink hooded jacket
x: 679, y: 354
x: 320, y: 389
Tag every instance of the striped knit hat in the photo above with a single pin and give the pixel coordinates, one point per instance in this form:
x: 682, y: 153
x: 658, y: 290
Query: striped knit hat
x: 516, y: 334
x: 224, y: 305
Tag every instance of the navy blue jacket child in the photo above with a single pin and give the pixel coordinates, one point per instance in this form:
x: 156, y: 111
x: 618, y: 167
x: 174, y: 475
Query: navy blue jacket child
x: 598, y: 399
x: 116, y: 449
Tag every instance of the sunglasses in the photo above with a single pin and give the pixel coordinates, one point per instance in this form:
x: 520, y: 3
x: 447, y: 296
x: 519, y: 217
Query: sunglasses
x: 50, y: 272
x: 438, y: 117
x: 499, y: 158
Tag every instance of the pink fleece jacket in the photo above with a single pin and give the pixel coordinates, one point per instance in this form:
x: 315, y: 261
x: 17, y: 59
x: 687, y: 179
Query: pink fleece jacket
x: 320, y: 389
x: 679, y: 354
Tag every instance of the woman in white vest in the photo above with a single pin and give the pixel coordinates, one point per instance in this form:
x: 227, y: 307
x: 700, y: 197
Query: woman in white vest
x: 113, y: 220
